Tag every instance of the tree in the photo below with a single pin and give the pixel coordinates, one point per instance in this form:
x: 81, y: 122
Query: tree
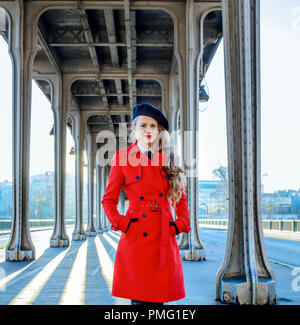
x: 221, y: 194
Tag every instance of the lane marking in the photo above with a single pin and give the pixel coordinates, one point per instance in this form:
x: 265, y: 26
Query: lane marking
x: 283, y: 264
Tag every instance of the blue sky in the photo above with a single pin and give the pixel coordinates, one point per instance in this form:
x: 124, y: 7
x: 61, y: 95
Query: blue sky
x: 280, y: 109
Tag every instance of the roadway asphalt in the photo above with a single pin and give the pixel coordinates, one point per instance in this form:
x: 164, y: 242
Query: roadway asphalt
x: 279, y: 250
x: 283, y: 256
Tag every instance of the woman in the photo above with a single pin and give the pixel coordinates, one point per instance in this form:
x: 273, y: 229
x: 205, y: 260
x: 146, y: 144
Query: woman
x: 148, y: 266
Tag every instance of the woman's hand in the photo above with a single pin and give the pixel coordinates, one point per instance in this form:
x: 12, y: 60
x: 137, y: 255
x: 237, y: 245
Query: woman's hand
x: 173, y: 224
x: 130, y: 221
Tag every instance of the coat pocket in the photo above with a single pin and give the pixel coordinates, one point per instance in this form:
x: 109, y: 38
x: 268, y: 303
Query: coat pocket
x: 131, y: 213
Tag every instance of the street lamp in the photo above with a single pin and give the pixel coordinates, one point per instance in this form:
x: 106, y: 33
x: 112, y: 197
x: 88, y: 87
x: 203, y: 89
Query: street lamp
x: 203, y: 97
x: 72, y: 151
x: 52, y: 130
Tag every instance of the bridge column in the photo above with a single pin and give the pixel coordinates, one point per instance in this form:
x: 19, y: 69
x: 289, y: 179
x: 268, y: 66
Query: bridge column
x: 104, y: 183
x: 80, y: 129
x: 123, y: 202
x: 176, y: 127
x: 90, y: 230
x: 22, y: 48
x: 187, y: 48
x: 59, y: 237
x: 98, y: 199
x: 103, y: 186
x: 245, y: 276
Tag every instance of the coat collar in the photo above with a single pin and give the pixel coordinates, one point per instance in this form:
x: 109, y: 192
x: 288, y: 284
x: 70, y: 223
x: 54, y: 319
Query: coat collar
x: 159, y: 159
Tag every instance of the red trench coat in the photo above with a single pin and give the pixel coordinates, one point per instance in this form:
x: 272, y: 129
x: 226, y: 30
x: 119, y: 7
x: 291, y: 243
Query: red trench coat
x: 147, y: 263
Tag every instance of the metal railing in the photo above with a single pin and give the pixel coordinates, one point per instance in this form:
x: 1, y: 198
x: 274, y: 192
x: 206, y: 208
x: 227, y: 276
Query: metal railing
x: 5, y: 225
x: 280, y: 225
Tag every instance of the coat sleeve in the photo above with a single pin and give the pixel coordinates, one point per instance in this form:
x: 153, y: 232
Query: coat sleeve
x: 181, y: 210
x: 111, y: 197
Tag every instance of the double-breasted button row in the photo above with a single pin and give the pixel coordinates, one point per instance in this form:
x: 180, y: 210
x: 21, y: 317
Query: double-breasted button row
x: 160, y: 195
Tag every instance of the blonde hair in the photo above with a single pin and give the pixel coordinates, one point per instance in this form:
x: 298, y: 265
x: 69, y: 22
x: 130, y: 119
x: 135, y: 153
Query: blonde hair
x: 175, y: 173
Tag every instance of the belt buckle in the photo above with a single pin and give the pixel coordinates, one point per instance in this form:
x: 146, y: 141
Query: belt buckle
x: 156, y: 205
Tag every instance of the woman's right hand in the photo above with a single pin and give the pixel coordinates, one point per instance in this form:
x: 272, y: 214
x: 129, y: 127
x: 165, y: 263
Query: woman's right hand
x: 129, y: 223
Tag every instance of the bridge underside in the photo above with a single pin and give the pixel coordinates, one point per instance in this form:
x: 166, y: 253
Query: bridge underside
x: 95, y: 60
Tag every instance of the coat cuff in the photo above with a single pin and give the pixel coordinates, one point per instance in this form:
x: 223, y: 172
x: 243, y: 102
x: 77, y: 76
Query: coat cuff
x: 181, y: 226
x: 122, y: 224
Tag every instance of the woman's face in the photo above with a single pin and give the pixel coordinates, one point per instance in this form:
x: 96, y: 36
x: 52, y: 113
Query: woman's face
x: 146, y: 130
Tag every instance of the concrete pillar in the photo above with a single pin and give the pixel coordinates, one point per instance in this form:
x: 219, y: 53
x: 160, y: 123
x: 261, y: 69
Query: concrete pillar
x: 22, y: 48
x: 80, y: 131
x: 59, y: 237
x: 245, y: 276
x: 99, y: 194
x: 188, y: 50
x: 90, y: 230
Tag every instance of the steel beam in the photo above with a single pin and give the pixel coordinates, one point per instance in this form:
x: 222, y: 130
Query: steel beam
x: 245, y: 276
x: 99, y: 194
x: 23, y: 49
x: 188, y: 50
x: 131, y: 51
x: 79, y: 131
x: 112, y: 45
x: 59, y: 237
x: 90, y: 229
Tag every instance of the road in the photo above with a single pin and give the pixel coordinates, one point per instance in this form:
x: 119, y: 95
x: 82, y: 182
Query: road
x: 278, y: 250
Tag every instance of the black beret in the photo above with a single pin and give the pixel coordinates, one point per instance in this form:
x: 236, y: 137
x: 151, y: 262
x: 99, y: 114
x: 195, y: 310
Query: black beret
x: 152, y: 111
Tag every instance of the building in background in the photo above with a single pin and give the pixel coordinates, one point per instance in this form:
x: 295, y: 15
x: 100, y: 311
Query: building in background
x: 41, y: 197
x: 5, y: 199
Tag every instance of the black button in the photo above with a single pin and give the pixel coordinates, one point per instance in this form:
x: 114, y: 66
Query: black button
x: 144, y: 234
x: 141, y: 198
x: 137, y: 177
x: 160, y: 194
x: 166, y: 176
x: 144, y: 215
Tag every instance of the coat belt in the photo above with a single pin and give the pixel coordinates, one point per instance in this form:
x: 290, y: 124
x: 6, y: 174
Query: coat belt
x: 164, y: 206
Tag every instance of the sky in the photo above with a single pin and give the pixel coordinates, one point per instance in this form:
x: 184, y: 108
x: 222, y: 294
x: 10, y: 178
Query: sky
x: 280, y: 101
x: 280, y: 108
